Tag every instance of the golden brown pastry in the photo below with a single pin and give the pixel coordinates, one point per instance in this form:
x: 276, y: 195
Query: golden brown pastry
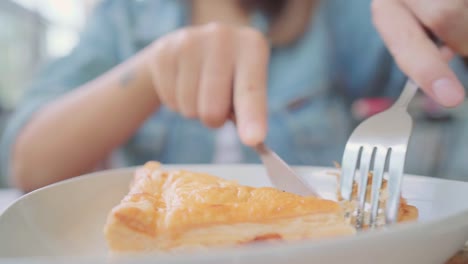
x: 168, y: 210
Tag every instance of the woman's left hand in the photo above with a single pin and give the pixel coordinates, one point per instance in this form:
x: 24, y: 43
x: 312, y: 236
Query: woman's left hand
x: 402, y: 25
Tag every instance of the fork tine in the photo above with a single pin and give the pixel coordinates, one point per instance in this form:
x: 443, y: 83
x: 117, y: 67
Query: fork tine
x: 377, y: 178
x: 348, y: 169
x: 395, y: 170
x: 366, y: 157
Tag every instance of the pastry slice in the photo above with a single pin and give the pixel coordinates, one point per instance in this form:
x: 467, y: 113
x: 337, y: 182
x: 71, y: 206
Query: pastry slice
x: 170, y: 210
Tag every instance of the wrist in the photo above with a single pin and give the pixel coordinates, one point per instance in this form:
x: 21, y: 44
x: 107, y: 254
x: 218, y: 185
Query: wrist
x: 138, y: 75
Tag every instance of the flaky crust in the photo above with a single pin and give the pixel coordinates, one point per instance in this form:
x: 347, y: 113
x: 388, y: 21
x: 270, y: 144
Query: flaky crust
x: 179, y: 210
x: 172, y: 209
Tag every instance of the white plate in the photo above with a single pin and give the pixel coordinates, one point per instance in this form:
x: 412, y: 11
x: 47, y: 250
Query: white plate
x: 66, y: 219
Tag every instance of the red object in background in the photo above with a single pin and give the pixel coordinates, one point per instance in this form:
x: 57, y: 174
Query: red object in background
x: 366, y: 107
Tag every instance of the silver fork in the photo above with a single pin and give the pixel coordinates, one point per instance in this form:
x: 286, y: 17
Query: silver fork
x: 381, y: 141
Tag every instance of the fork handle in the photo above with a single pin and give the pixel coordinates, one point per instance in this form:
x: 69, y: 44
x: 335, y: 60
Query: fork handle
x: 406, y: 95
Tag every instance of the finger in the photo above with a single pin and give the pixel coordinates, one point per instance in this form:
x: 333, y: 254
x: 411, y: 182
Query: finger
x: 189, y: 68
x: 447, y: 19
x: 215, y: 95
x: 250, y: 86
x: 415, y: 53
x: 164, y: 72
x: 447, y: 53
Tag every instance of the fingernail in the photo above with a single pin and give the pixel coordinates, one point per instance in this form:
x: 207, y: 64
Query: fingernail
x: 447, y: 92
x: 252, y: 133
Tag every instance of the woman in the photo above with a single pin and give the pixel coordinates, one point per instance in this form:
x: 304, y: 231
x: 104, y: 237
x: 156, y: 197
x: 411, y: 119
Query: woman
x: 152, y: 79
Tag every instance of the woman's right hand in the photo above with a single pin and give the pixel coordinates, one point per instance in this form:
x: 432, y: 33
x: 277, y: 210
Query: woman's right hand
x: 207, y: 71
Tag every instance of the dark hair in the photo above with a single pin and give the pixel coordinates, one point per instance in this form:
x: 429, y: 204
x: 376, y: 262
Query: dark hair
x: 272, y: 8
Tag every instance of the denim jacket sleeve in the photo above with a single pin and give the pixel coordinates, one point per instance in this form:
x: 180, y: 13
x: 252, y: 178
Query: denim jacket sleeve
x: 94, y: 54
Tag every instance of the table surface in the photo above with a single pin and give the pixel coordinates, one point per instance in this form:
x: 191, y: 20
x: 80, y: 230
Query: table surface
x: 8, y: 196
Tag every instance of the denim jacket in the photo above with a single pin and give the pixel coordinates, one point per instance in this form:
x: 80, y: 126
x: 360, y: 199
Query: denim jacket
x: 311, y: 83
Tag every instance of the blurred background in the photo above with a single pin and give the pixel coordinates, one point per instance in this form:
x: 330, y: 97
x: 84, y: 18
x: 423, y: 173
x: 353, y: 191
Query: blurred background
x: 32, y: 32
x: 35, y: 31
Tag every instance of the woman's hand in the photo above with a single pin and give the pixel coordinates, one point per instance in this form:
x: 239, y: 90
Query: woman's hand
x: 402, y: 25
x: 207, y: 71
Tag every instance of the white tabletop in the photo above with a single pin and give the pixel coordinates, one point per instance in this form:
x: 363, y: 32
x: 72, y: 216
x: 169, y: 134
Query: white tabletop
x: 8, y: 196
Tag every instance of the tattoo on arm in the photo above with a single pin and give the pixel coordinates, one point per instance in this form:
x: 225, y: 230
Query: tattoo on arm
x: 127, y: 78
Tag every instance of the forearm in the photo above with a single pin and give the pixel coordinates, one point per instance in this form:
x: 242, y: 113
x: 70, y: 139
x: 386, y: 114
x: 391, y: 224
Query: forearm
x: 71, y: 135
